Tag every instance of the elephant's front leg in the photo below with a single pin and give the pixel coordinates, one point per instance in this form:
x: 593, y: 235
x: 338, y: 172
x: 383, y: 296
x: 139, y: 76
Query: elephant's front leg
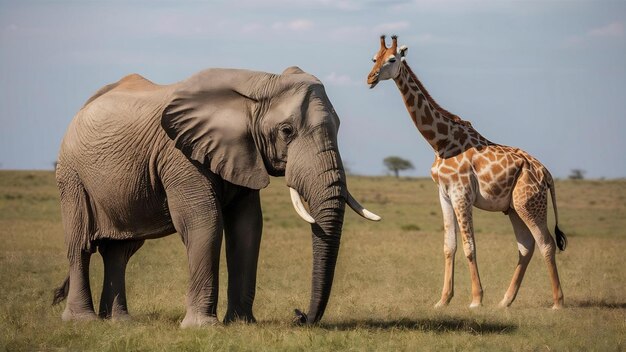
x: 115, y: 255
x: 243, y: 224
x: 198, y: 219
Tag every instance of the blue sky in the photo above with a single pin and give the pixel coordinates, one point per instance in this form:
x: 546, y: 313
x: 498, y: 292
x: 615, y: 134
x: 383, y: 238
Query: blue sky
x: 546, y: 76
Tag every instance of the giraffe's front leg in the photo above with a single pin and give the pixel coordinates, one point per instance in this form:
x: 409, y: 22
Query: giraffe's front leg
x: 462, y: 204
x: 449, y: 249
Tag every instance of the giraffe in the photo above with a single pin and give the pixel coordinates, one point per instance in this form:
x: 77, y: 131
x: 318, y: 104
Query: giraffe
x: 472, y: 171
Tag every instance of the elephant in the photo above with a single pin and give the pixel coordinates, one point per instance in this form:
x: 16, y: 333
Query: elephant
x: 141, y: 161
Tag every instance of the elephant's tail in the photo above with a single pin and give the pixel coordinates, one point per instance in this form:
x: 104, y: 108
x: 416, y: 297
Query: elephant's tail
x: 60, y: 293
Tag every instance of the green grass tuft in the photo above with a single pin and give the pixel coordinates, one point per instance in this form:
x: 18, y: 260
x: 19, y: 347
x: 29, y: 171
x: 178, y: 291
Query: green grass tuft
x: 410, y: 227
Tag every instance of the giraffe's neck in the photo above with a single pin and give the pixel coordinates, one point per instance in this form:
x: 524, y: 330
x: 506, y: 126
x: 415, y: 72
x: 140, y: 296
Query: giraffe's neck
x: 446, y: 133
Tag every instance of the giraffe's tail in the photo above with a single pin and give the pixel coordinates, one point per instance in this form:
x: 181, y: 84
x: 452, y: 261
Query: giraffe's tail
x: 561, y: 239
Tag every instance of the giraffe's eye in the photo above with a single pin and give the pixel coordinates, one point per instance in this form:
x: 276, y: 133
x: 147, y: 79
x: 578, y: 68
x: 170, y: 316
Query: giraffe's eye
x: 373, y: 59
x: 392, y: 59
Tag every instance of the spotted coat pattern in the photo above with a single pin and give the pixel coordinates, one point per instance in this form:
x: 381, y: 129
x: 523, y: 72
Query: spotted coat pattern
x: 472, y: 171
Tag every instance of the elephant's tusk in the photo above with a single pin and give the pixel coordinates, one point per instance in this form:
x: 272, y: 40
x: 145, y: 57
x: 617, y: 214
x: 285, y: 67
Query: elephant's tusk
x: 297, y: 204
x: 358, y: 208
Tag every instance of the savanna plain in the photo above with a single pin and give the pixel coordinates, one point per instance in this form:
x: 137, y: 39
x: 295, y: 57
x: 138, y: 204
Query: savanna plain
x: 388, y: 277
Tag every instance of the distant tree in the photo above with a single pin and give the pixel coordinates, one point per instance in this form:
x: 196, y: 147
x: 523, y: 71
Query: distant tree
x: 397, y: 164
x: 577, y: 174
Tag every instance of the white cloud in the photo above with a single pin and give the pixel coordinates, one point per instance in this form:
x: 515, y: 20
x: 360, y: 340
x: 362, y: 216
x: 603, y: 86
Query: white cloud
x: 466, y: 7
x: 352, y: 32
x: 428, y: 38
x: 611, y: 30
x: 615, y: 29
x: 391, y: 27
x: 260, y: 29
x: 252, y: 28
x: 361, y: 33
x: 342, y: 5
x: 295, y: 25
x: 336, y: 79
x: 346, y: 5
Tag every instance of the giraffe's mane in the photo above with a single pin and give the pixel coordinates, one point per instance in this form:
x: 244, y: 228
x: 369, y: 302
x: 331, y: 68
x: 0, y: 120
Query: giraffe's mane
x: 445, y: 113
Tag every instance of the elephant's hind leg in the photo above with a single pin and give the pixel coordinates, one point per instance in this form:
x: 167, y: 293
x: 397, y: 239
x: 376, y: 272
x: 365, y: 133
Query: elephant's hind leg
x: 76, y: 223
x: 115, y: 255
x: 79, y: 303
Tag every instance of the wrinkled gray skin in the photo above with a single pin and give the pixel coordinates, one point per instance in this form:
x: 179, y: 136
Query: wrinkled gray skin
x: 142, y: 161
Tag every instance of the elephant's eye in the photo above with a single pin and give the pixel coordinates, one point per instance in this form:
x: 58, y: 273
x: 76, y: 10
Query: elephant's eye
x: 286, y: 131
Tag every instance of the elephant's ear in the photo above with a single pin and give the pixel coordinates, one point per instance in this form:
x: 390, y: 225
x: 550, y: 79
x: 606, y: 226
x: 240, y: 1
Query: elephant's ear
x: 209, y: 122
x: 292, y: 70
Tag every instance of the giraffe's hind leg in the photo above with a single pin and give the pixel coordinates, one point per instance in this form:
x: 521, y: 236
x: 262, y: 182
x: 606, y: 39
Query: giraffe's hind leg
x: 531, y: 206
x: 526, y: 247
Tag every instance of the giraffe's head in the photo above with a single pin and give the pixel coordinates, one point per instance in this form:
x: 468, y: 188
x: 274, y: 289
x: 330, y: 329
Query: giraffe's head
x: 387, y: 61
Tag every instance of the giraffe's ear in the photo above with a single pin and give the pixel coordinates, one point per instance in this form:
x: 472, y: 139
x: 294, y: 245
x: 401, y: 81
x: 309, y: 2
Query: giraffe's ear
x: 402, y: 51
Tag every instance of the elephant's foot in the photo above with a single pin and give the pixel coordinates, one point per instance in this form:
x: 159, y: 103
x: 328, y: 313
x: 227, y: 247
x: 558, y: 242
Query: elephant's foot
x: 71, y: 315
x: 233, y: 315
x: 115, y: 316
x: 195, y: 320
x: 118, y: 313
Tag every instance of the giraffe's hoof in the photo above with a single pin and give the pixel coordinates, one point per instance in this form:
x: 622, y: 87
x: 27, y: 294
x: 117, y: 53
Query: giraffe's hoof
x: 505, y: 303
x: 475, y: 305
x: 557, y: 306
x: 440, y: 304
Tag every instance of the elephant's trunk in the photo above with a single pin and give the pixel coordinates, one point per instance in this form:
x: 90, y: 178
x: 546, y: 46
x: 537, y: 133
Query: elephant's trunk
x: 324, y: 188
x: 325, y: 250
x: 326, y: 236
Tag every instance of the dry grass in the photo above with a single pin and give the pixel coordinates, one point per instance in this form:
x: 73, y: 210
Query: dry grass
x: 388, y: 277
